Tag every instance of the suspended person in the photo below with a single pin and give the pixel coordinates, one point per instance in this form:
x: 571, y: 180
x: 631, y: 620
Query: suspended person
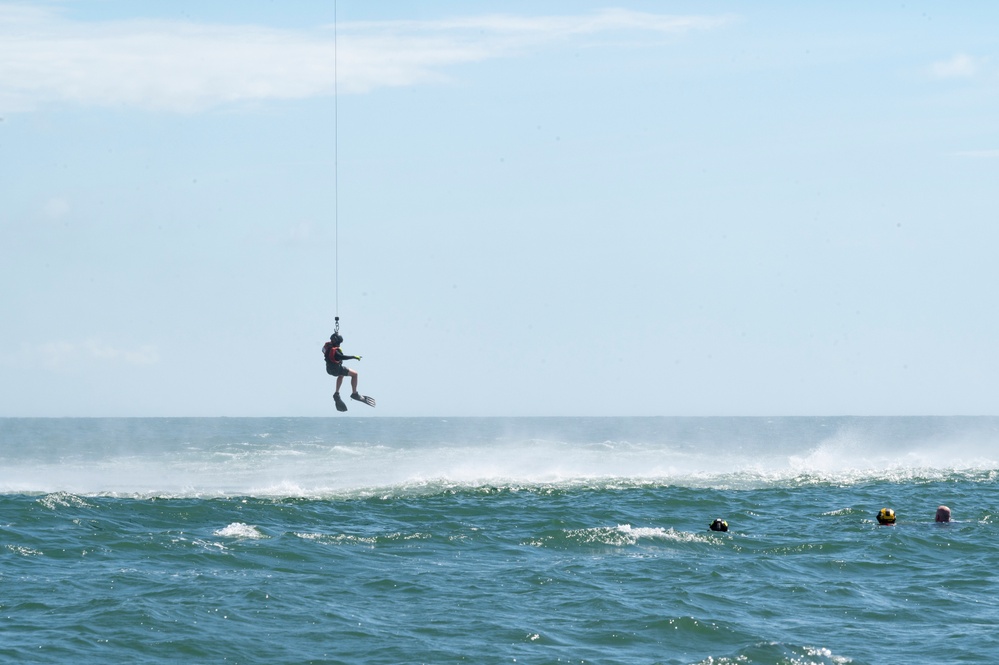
x: 335, y: 356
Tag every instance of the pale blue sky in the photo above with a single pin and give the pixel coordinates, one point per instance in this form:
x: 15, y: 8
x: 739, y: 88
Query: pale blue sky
x: 556, y: 208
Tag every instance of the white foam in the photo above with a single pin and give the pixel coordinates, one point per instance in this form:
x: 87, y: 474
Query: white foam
x: 240, y: 530
x: 626, y: 535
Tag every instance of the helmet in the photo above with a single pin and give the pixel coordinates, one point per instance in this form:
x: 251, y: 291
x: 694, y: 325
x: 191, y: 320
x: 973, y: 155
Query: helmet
x: 336, y: 338
x: 886, y: 516
x: 719, y: 525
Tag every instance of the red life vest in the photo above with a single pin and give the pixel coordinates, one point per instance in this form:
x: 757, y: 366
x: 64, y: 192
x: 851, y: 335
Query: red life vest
x: 330, y: 352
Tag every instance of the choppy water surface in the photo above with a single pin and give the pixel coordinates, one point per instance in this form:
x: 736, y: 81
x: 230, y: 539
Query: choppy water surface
x: 497, y: 540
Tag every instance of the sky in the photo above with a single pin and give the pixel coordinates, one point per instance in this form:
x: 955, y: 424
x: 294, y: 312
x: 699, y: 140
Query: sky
x: 515, y: 208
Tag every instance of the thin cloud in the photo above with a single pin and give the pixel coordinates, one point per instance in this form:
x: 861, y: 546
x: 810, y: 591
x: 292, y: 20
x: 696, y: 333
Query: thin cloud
x: 959, y: 66
x: 66, y: 355
x: 55, y: 208
x: 187, y: 67
x: 978, y: 154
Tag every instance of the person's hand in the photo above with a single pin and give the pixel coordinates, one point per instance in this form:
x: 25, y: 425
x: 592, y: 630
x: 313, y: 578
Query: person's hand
x: 357, y: 357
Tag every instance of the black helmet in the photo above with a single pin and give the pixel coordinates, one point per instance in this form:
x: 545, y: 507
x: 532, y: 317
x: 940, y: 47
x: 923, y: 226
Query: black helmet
x: 336, y: 338
x: 719, y: 525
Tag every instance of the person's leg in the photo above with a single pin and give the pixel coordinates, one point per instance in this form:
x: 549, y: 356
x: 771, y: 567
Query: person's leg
x: 339, y: 380
x: 353, y: 380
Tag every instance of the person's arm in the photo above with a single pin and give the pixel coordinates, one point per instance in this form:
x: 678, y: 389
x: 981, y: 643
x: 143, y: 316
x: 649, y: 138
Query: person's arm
x: 341, y: 356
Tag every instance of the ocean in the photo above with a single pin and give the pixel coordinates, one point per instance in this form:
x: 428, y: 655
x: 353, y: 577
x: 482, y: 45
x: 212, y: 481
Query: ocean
x: 498, y: 540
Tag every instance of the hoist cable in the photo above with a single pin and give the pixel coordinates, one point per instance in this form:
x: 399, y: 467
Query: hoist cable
x: 336, y: 174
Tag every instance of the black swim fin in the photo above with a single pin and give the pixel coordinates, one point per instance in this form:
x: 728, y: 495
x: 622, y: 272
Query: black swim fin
x: 370, y: 401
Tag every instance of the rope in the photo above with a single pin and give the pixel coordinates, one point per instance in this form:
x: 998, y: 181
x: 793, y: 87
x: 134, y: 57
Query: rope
x: 336, y: 174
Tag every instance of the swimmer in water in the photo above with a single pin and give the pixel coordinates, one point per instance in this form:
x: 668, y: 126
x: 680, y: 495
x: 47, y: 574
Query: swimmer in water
x: 886, y: 517
x: 719, y: 525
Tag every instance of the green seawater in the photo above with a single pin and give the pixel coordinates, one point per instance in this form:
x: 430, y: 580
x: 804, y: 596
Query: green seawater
x: 498, y: 541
